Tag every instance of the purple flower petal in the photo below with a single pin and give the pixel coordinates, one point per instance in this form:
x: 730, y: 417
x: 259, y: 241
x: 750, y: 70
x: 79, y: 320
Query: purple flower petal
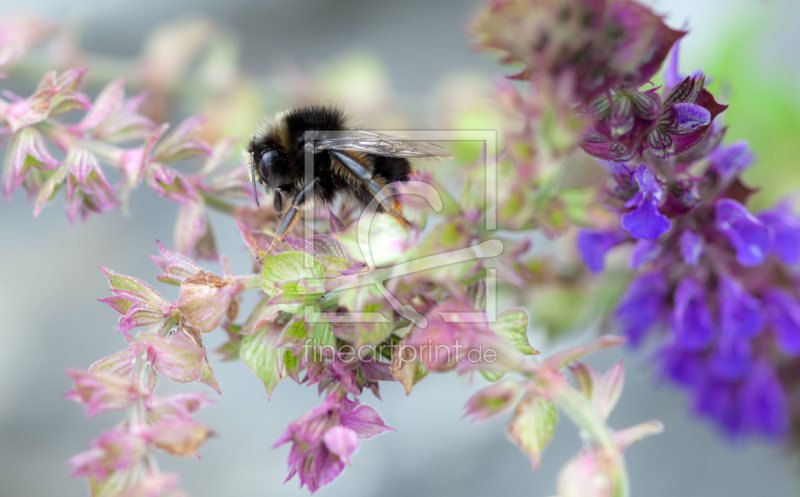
x: 785, y: 233
x: 763, y: 403
x: 646, y: 222
x: 750, y: 237
x: 691, y: 247
x: 593, y: 245
x: 718, y: 400
x: 642, y: 305
x: 647, y: 182
x: 692, y: 325
x: 643, y: 252
x: 690, y: 117
x: 684, y: 367
x: 729, y: 161
x: 731, y: 358
x: 740, y: 314
x: 784, y: 316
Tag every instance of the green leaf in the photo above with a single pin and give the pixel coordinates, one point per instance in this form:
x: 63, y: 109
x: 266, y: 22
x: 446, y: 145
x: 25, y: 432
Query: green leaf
x: 259, y: 351
x: 287, y: 273
x: 294, y: 331
x: 512, y: 325
x: 492, y: 375
x: 373, y: 333
x: 332, y: 265
x: 533, y: 425
x: 134, y: 285
x: 321, y: 335
x: 292, y: 364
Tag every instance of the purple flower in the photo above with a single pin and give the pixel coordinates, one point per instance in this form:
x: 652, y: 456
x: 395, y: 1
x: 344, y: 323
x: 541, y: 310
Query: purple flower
x: 740, y: 314
x: 718, y: 400
x: 728, y: 162
x: 731, y: 357
x: 645, y: 221
x: 643, y: 252
x: 684, y: 367
x: 593, y: 245
x: 749, y: 237
x: 325, y: 438
x: 783, y: 311
x: 763, y: 403
x: 692, y: 324
x: 785, y: 232
x: 642, y: 306
x: 691, y: 245
x: 621, y: 123
x: 688, y: 112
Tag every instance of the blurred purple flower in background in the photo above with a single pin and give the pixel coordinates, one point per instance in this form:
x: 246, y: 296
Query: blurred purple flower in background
x: 714, y: 277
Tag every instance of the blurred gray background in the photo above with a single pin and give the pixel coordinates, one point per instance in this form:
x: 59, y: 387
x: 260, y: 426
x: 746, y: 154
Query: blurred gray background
x: 50, y: 319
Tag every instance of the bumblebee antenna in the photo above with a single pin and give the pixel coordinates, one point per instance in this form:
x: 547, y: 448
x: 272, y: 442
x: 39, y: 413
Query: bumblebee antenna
x: 253, y: 177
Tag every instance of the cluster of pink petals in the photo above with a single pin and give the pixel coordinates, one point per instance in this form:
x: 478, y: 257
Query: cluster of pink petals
x: 325, y: 438
x: 118, y: 462
x: 456, y: 337
x: 33, y: 126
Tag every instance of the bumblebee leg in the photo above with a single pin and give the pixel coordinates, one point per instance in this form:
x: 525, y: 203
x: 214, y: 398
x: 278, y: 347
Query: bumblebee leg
x: 277, y: 203
x: 292, y: 216
x: 358, y: 170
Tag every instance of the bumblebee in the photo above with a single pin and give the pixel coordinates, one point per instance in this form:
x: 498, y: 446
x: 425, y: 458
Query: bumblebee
x: 348, y: 164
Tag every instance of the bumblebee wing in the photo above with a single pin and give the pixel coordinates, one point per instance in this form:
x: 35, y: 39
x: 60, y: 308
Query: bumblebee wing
x: 369, y: 142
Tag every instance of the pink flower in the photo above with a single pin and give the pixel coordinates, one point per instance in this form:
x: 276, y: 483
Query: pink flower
x: 452, y: 340
x: 206, y: 298
x: 325, y: 438
x: 352, y: 374
x: 178, y: 405
x: 180, y: 436
x: 139, y: 304
x: 55, y: 95
x: 28, y: 150
x: 112, y: 453
x: 155, y: 484
x: 170, y: 184
x: 101, y: 391
x: 87, y: 187
x: 182, y: 142
x: 178, y: 359
x: 177, y: 267
x: 113, y: 118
